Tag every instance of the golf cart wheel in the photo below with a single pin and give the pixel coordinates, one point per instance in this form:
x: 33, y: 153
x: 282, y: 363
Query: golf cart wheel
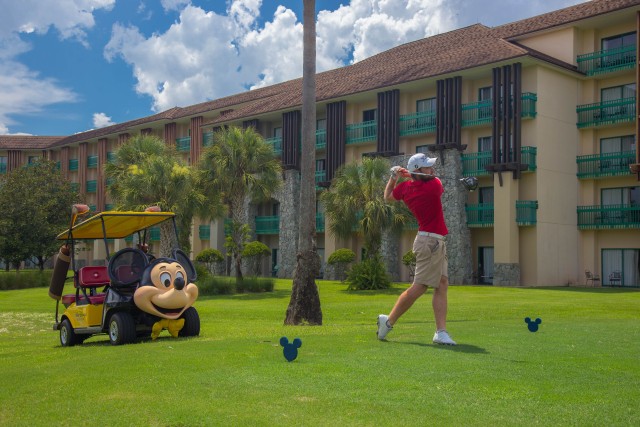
x: 67, y: 335
x: 191, y: 326
x: 122, y: 329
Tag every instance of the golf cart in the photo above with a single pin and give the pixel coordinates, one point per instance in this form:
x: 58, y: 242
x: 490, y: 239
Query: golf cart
x: 135, y: 295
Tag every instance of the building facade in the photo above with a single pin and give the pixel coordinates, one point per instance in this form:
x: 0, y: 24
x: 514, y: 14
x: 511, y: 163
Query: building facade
x: 543, y: 111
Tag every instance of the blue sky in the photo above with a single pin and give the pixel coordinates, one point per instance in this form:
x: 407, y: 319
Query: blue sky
x: 67, y: 66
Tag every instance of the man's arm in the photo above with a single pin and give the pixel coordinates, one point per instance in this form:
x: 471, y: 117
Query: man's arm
x: 388, y: 190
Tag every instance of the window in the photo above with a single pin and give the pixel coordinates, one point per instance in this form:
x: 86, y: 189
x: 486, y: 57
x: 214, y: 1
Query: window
x: 623, y: 40
x: 33, y: 159
x: 369, y: 115
x: 3, y: 164
x: 275, y: 209
x: 485, y: 144
x: 426, y: 105
x: 621, y: 267
x: 423, y: 148
x: 485, y: 93
x: 618, y: 92
x: 321, y: 124
x: 277, y: 132
x: 617, y: 144
x: 321, y: 165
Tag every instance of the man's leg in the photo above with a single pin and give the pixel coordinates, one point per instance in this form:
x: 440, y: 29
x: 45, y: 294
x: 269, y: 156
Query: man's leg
x: 405, y: 301
x: 439, y: 303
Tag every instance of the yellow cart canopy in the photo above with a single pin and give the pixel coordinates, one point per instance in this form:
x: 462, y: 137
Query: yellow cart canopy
x: 117, y: 225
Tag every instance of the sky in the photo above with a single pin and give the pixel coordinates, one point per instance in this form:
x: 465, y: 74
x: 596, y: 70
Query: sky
x: 68, y: 66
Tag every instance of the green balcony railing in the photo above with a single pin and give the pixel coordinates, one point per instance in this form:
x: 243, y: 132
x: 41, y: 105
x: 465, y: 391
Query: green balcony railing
x: 320, y: 222
x: 481, y: 112
x: 526, y: 212
x: 207, y: 139
x: 362, y: 132
x: 75, y: 186
x: 3, y: 168
x: 606, y: 61
x: 607, y: 164
x: 321, y: 176
x: 73, y: 164
x: 276, y: 143
x: 92, y: 186
x: 204, y: 232
x: 92, y: 162
x: 608, y: 217
x: 267, y: 224
x: 321, y: 139
x: 473, y: 164
x: 111, y: 157
x: 108, y: 207
x: 183, y: 144
x: 479, y: 215
x: 418, y: 123
x: 154, y: 234
x: 92, y: 208
x: 607, y: 112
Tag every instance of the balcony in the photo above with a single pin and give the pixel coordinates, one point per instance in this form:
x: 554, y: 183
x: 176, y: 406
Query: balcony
x: 207, y: 139
x: 268, y: 224
x: 319, y: 222
x: 3, y: 168
x: 321, y: 139
x: 605, y: 165
x: 92, y: 162
x: 204, y: 232
x: 276, y: 144
x: 526, y: 212
x: 607, y: 112
x: 362, y: 132
x: 154, y: 234
x: 73, y: 164
x: 92, y: 186
x: 473, y: 164
x: 607, y: 61
x: 479, y: 215
x: 481, y: 112
x: 183, y: 144
x: 605, y: 217
x: 418, y: 123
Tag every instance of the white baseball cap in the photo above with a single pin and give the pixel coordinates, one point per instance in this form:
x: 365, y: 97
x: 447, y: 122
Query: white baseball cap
x: 420, y: 160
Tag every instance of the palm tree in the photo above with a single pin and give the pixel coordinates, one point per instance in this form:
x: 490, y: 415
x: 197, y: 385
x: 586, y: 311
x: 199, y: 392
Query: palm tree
x: 147, y: 172
x: 304, y: 305
x: 355, y: 201
x: 238, y: 165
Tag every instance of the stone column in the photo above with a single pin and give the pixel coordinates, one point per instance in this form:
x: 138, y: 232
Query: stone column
x: 289, y: 198
x: 390, y: 253
x: 455, y: 195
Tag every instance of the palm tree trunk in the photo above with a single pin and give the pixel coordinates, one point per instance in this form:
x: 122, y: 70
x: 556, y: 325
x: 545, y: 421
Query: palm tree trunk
x: 304, y: 306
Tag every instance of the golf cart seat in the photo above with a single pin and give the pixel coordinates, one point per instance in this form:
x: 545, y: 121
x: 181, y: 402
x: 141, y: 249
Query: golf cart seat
x: 89, y: 278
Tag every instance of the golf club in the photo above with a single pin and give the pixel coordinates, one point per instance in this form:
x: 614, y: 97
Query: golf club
x: 470, y: 182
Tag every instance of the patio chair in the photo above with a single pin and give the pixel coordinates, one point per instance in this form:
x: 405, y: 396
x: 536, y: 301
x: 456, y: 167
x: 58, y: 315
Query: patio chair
x: 615, y: 278
x: 591, y: 277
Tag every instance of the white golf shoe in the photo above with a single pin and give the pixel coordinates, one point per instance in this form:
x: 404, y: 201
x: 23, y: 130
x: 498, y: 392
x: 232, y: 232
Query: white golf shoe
x: 383, y: 326
x: 442, y: 337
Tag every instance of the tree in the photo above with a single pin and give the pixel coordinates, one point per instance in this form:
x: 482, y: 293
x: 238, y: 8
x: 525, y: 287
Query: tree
x: 210, y: 257
x: 304, y: 306
x: 340, y: 259
x: 147, y: 172
x: 238, y: 165
x: 34, y: 207
x: 255, y: 252
x: 355, y: 201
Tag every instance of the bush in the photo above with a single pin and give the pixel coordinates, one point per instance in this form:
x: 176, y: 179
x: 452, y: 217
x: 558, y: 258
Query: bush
x: 339, y: 260
x: 25, y: 279
x: 201, y: 271
x: 217, y: 285
x: 409, y: 259
x: 253, y: 253
x: 210, y: 257
x: 222, y: 285
x: 367, y: 275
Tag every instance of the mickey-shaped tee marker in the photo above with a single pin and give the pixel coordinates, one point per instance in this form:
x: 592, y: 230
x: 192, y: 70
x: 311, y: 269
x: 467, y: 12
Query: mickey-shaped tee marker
x: 290, y: 349
x: 532, y: 324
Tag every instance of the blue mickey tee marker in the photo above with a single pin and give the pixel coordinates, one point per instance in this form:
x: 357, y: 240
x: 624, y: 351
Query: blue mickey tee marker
x: 532, y: 324
x: 290, y: 349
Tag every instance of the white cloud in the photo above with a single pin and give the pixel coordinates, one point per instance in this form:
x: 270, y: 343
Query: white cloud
x: 207, y: 55
x: 25, y: 91
x: 174, y: 4
x: 101, y: 120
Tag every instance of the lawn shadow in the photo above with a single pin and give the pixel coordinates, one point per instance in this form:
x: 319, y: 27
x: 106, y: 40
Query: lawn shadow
x: 582, y: 289
x: 251, y: 296
x: 460, y: 348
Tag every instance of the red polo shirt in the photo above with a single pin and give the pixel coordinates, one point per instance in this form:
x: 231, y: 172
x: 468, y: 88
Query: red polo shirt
x: 423, y: 198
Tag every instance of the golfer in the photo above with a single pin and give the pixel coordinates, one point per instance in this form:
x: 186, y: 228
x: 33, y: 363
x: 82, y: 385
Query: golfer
x: 422, y: 195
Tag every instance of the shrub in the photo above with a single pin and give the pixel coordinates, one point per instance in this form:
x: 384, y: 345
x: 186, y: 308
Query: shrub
x: 25, y: 279
x: 254, y: 252
x: 210, y: 257
x: 255, y: 284
x: 217, y: 285
x: 367, y: 275
x: 409, y: 259
x: 339, y: 260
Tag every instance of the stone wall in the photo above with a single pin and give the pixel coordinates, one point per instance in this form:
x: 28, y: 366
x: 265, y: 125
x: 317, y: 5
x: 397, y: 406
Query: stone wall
x: 506, y: 274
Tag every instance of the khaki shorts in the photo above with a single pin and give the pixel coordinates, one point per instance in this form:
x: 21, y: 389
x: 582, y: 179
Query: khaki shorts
x: 431, y: 260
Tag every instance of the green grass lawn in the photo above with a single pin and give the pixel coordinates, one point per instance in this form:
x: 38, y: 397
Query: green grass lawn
x: 580, y: 368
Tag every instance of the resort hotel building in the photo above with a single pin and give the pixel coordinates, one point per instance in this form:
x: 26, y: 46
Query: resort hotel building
x: 543, y: 111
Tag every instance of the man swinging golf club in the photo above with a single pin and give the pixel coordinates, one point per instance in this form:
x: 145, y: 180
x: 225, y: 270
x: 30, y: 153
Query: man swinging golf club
x: 422, y: 195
